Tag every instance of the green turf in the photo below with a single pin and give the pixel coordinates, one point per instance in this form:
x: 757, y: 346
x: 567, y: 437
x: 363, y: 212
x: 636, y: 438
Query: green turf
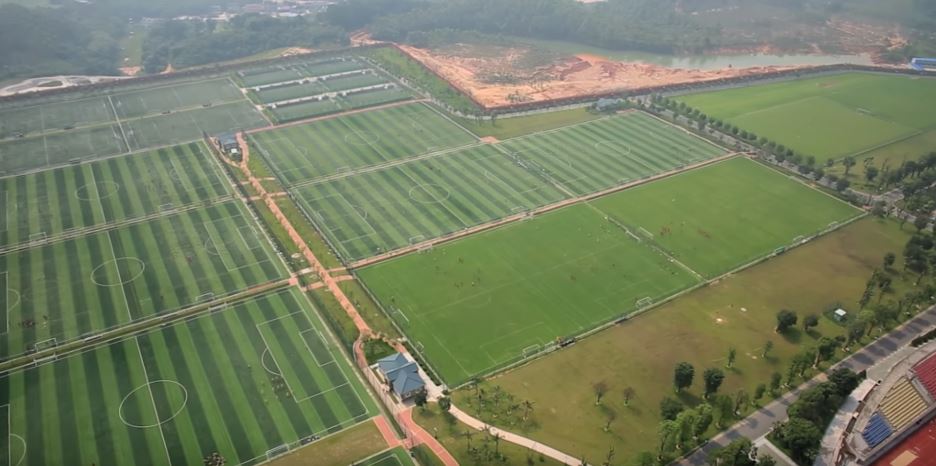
x: 600, y: 154
x: 206, y: 385
x: 157, y: 100
x: 726, y: 215
x: 372, y: 98
x: 278, y: 73
x: 305, y: 110
x: 60, y: 147
x: 190, y: 125
x: 376, y: 211
x: 353, y: 82
x: 36, y: 119
x: 830, y: 116
x: 505, y: 128
x: 476, y: 304
x: 396, y: 457
x: 72, y: 288
x: 307, y: 152
x: 52, y: 202
x: 295, y: 91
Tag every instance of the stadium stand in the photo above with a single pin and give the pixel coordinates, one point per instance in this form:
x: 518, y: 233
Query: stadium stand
x: 902, y: 405
x: 877, y: 430
x: 925, y: 371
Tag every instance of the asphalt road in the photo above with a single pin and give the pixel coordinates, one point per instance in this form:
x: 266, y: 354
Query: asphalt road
x: 760, y: 422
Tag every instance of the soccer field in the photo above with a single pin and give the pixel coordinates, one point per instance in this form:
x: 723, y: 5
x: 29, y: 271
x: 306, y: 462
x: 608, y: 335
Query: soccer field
x: 243, y: 382
x: 493, y: 298
x: 76, y: 287
x: 600, y: 154
x: 377, y: 211
x: 828, y: 117
x: 55, y: 133
x: 43, y: 205
x: 328, y: 147
x: 396, y: 457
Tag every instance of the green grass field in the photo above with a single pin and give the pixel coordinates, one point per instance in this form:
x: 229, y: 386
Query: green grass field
x: 726, y: 215
x: 242, y: 382
x: 46, y: 204
x: 828, y: 117
x: 738, y: 312
x: 308, y: 152
x: 568, y: 271
x: 294, y: 91
x: 279, y: 73
x: 55, y: 133
x: 81, y: 286
x: 506, y: 128
x: 600, y: 154
x: 305, y: 110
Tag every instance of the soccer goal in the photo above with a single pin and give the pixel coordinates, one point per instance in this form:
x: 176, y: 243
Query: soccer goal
x: 799, y: 239
x: 645, y: 232
x: 416, y: 239
x: 39, y: 236
x: 644, y: 302
x: 277, y: 451
x: 424, y: 249
x: 402, y: 316
x: 205, y: 297
x: 531, y: 350
x: 46, y: 344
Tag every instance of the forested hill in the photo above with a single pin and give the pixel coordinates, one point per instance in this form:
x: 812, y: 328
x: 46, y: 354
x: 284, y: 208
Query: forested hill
x: 43, y: 41
x: 651, y: 25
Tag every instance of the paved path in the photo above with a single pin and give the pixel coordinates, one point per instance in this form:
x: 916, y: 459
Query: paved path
x: 419, y: 436
x: 759, y: 423
x: 516, y: 439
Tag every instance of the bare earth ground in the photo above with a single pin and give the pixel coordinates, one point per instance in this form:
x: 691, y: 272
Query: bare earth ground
x: 502, y: 75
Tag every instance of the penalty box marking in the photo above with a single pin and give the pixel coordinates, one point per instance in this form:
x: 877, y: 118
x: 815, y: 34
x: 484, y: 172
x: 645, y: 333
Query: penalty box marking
x: 348, y: 206
x: 317, y: 362
x: 221, y: 246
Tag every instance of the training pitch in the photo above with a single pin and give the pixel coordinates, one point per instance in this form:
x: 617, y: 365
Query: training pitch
x: 249, y: 382
x: 828, y: 117
x: 40, y: 135
x: 491, y: 299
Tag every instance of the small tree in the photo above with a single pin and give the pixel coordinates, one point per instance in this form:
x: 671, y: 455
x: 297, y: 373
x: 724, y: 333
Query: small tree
x: 683, y: 375
x: 705, y: 419
x: 741, y: 399
x: 889, y: 260
x: 775, y: 380
x: 810, y: 321
x: 767, y: 347
x: 759, y: 391
x: 670, y: 408
x: 713, y: 379
x: 599, y: 388
x: 785, y: 319
x: 445, y: 403
x: 920, y: 222
x: 420, y: 400
x: 628, y: 393
x: 848, y: 162
x: 732, y: 353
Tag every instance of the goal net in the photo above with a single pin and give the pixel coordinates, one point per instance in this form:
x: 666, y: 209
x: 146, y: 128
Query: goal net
x: 644, y: 302
x: 45, y: 344
x: 277, y: 451
x: 531, y: 350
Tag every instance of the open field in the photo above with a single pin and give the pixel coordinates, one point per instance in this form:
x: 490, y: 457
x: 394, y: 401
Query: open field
x: 600, y: 154
x: 377, y: 211
x: 699, y: 328
x: 56, y: 133
x: 80, y: 286
x: 828, y: 117
x: 566, y: 272
x: 322, y: 148
x: 46, y: 204
x: 724, y: 216
x: 242, y: 382
x: 341, y: 449
x: 281, y: 73
x: 308, y: 109
x: 396, y: 457
x: 294, y: 91
x: 505, y: 128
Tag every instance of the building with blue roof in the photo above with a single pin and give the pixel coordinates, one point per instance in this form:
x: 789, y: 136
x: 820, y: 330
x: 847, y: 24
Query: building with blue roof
x: 401, y: 376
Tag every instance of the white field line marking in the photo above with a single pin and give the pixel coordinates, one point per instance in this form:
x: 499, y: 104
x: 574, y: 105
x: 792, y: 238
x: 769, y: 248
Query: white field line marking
x: 6, y: 298
x: 149, y: 388
x: 119, y: 123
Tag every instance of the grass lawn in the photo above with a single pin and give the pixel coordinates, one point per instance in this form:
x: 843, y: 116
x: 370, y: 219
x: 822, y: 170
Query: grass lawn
x: 726, y: 215
x: 240, y: 382
x: 341, y: 449
x: 738, y: 312
x: 450, y: 432
x: 568, y: 271
x: 827, y: 117
x: 890, y: 156
x: 506, y: 128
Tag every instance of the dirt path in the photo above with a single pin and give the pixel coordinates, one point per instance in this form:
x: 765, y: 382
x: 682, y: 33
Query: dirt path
x: 330, y: 282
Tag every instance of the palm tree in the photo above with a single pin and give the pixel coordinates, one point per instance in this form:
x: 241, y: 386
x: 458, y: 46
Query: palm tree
x: 468, y: 434
x: 527, y: 408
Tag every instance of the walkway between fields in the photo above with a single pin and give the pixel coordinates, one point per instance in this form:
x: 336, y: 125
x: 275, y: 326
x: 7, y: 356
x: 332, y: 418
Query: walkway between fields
x: 762, y: 421
x: 418, y: 433
x: 515, y: 439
